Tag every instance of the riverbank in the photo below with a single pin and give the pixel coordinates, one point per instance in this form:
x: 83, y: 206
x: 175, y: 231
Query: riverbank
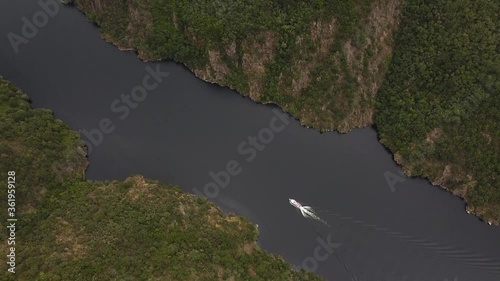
x: 348, y: 59
x: 138, y: 228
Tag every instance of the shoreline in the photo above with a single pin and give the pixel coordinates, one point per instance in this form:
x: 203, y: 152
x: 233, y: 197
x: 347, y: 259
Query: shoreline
x: 373, y: 125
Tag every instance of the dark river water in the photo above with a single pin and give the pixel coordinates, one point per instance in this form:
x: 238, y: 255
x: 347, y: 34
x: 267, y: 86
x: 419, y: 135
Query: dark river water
x: 185, y: 128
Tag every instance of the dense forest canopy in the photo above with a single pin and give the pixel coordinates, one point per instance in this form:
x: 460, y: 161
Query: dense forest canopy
x: 72, y: 229
x: 439, y: 106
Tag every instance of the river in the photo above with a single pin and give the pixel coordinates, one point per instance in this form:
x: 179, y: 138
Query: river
x: 184, y: 128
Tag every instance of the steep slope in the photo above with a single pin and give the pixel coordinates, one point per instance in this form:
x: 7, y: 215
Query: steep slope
x: 322, y: 61
x: 439, y: 108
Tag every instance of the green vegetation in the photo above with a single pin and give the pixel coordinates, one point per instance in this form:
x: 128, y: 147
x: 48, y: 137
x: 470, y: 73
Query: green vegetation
x: 72, y: 229
x: 323, y: 61
x: 43, y: 152
x: 439, y: 107
x: 320, y: 60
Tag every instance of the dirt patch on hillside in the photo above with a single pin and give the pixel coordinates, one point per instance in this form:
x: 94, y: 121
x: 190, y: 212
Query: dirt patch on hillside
x: 321, y: 35
x: 369, y: 62
x: 66, y: 236
x: 257, y: 52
